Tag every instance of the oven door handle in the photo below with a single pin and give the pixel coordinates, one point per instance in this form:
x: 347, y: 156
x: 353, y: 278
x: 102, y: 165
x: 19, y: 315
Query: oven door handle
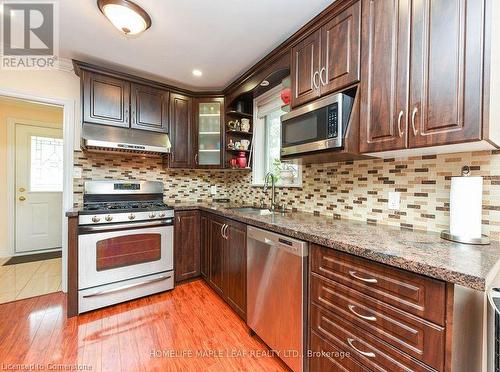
x: 129, y: 286
x: 134, y: 225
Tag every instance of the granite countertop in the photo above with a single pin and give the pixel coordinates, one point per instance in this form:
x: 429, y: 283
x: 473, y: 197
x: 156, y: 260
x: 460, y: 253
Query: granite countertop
x: 424, y: 253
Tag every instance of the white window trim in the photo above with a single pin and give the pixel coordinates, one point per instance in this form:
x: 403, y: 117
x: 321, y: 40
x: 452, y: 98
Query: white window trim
x: 267, y: 99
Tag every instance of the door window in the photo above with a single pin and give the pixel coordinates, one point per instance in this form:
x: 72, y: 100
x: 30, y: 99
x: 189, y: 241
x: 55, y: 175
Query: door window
x: 46, y: 174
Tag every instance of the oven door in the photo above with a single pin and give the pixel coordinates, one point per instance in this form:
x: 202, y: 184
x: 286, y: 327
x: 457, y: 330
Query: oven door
x: 118, y: 254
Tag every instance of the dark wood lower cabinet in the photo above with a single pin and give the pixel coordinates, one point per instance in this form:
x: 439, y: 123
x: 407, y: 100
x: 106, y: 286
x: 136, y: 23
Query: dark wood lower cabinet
x: 216, y: 255
x: 187, y: 245
x: 204, y: 253
x: 224, y: 247
x: 236, y: 267
x: 386, y: 319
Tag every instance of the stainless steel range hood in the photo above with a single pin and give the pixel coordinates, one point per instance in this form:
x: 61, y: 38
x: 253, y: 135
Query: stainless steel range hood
x: 106, y: 138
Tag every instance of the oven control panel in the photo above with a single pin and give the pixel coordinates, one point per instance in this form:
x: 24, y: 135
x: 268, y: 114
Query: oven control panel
x: 124, y: 217
x: 333, y: 120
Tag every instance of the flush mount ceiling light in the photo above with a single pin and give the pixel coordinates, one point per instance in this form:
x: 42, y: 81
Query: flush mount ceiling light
x: 125, y: 15
x: 264, y: 83
x: 197, y: 73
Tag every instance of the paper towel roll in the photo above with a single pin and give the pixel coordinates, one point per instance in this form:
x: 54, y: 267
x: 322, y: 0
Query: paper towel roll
x: 466, y: 200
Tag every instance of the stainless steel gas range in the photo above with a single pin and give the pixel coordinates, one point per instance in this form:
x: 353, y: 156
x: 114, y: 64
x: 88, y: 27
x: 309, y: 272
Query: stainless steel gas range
x: 125, y: 243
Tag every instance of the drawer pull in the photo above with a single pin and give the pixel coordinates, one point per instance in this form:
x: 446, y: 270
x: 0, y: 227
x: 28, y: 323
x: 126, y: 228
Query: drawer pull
x: 350, y: 341
x: 365, y: 317
x: 366, y: 280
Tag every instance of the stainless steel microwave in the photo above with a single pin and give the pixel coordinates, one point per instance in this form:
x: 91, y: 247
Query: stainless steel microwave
x: 318, y: 126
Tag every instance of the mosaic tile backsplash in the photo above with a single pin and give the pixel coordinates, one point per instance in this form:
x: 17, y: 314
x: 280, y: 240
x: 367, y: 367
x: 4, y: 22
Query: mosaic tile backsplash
x: 354, y: 190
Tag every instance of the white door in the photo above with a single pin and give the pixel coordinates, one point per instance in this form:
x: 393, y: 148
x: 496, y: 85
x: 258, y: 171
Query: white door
x: 38, y: 188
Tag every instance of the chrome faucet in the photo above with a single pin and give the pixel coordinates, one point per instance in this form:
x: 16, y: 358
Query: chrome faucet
x: 273, y: 189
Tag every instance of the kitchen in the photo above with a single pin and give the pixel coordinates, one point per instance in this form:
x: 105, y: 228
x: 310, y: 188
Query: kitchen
x: 333, y: 205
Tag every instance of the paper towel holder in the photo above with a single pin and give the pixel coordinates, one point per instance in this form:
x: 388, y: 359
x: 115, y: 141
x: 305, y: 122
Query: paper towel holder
x: 483, y: 240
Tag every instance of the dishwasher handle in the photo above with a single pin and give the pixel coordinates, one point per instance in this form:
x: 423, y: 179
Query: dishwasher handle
x: 294, y: 246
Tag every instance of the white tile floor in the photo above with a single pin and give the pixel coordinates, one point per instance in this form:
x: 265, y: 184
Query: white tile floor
x: 29, y: 279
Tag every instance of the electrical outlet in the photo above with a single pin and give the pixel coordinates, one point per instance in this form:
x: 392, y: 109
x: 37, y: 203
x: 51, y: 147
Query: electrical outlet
x: 394, y: 200
x: 77, y: 172
x: 213, y: 190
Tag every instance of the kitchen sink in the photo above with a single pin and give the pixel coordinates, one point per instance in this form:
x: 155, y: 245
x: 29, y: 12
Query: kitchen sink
x: 253, y: 210
x: 256, y: 211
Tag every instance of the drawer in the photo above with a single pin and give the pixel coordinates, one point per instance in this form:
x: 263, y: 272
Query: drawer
x: 414, y: 336
x: 363, y: 346
x: 416, y: 294
x: 324, y: 357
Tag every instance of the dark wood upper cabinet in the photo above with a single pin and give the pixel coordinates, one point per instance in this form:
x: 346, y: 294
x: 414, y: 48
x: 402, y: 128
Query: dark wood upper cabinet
x: 446, y: 72
x: 149, y: 108
x: 208, y: 132
x: 328, y: 59
x: 187, y: 245
x: 340, y: 49
x: 217, y: 261
x: 236, y: 255
x: 384, y: 74
x: 106, y: 100
x: 181, y: 131
x: 305, y: 69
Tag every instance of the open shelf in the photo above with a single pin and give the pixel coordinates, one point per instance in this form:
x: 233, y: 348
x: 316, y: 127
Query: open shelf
x: 239, y: 132
x: 240, y: 114
x: 235, y: 151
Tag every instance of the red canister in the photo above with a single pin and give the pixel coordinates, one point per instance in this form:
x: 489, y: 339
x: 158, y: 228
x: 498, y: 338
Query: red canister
x: 242, y: 160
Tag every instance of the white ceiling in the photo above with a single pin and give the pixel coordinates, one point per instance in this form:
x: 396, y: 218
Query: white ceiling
x: 222, y: 38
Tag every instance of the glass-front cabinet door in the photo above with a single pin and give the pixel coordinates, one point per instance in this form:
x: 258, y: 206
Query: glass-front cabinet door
x: 209, y: 119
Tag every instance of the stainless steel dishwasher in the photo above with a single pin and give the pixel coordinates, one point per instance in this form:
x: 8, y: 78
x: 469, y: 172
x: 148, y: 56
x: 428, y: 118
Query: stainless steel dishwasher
x: 276, y: 293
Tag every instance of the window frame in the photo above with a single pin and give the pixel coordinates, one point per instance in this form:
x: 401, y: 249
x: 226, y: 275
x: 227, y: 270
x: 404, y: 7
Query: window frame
x: 269, y: 100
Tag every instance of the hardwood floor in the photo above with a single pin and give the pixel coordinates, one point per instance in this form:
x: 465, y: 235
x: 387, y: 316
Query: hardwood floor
x: 187, y: 329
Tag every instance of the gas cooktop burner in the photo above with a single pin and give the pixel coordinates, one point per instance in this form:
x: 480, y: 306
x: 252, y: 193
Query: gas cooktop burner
x: 124, y: 206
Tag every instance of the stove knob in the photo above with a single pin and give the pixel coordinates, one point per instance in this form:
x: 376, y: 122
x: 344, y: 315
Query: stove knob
x: 95, y: 219
x: 109, y: 218
x: 131, y: 216
x: 152, y: 215
x: 162, y: 214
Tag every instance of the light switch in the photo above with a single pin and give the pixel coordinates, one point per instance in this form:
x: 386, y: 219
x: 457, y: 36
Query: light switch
x: 77, y: 172
x: 394, y: 200
x: 213, y: 190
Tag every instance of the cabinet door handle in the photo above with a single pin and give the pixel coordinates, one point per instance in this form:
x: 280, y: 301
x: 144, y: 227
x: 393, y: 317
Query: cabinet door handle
x: 225, y: 232
x: 221, y: 229
x: 316, y: 74
x: 401, y: 113
x: 366, y: 280
x: 350, y: 341
x: 323, y: 82
x: 365, y: 317
x: 413, y: 114
x: 196, y: 159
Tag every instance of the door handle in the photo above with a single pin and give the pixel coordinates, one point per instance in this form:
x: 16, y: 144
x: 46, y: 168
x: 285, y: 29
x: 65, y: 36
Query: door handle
x: 196, y: 159
x: 413, y: 114
x: 222, y: 231
x: 316, y: 86
x: 350, y: 341
x: 225, y: 232
x: 22, y: 198
x: 323, y: 82
x: 366, y: 280
x: 365, y: 317
x: 401, y: 113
